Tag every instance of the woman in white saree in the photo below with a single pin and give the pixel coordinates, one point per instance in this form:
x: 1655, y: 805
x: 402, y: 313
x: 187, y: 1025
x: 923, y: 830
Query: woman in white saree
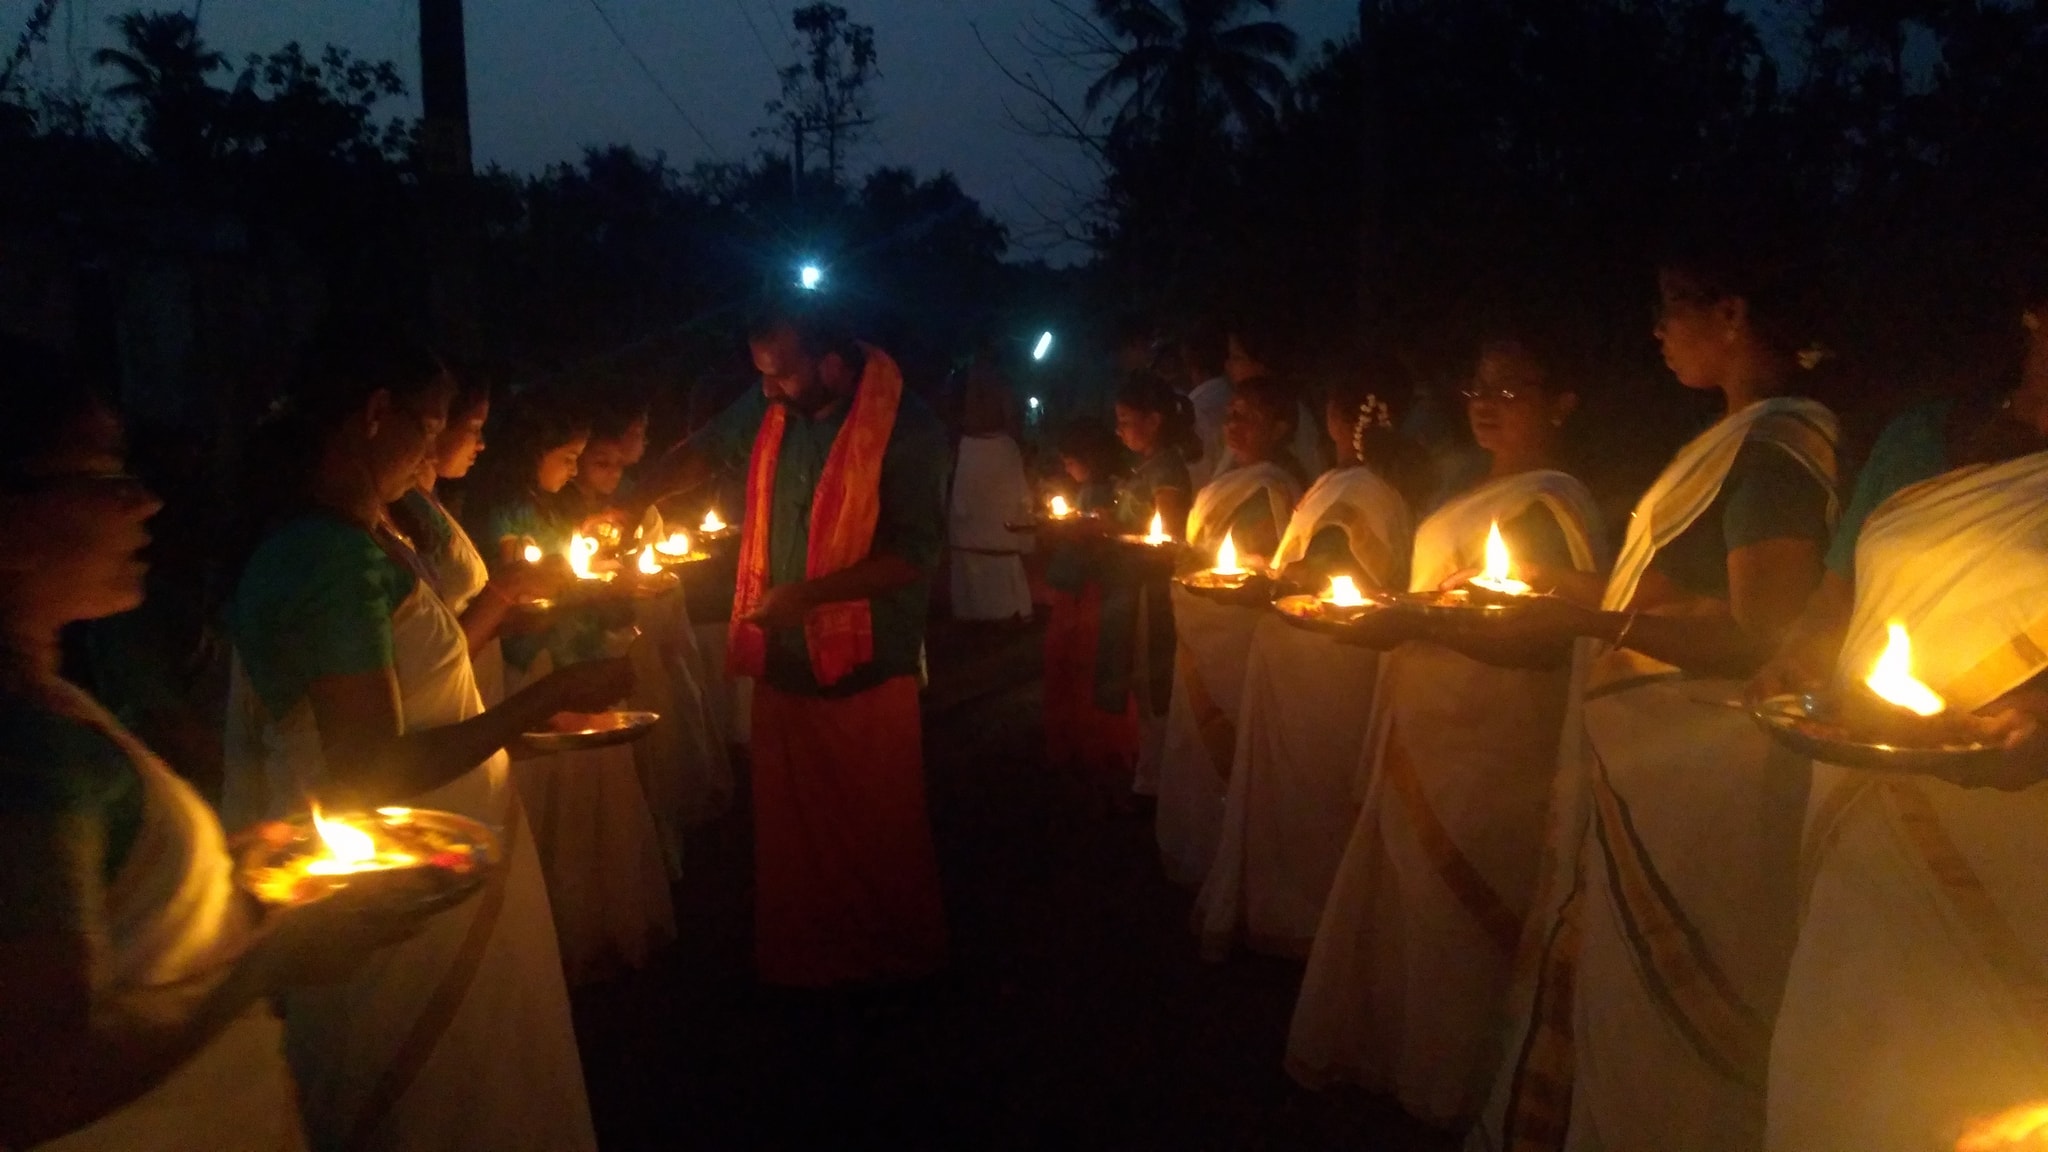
x: 354, y: 686
x: 1412, y: 953
x: 1656, y: 953
x: 1291, y: 801
x: 1915, y: 1000
x: 1251, y: 503
x: 135, y: 973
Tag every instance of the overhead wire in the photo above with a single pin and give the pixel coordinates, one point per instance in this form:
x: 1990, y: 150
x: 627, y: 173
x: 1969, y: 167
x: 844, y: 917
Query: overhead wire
x: 654, y: 79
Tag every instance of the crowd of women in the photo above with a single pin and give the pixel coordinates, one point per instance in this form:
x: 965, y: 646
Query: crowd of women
x: 389, y: 644
x: 1553, y: 886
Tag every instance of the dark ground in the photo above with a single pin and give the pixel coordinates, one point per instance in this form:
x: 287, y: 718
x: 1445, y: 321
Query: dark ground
x: 1076, y: 1014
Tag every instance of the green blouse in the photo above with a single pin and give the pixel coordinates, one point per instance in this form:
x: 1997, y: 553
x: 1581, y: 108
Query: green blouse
x: 1912, y: 448
x: 315, y: 600
x: 1766, y: 496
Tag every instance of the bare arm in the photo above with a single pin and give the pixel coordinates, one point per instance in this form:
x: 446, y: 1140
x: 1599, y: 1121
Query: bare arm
x: 372, y: 761
x: 1768, y: 584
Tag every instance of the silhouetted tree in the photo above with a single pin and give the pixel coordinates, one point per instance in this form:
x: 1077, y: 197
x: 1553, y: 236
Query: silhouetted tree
x: 163, y: 67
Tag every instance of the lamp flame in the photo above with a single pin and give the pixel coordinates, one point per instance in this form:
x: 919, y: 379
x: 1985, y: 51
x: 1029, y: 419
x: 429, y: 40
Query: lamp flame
x: 1344, y: 593
x: 2025, y: 1127
x: 649, y: 565
x: 712, y: 523
x: 582, y: 550
x: 1158, y: 533
x: 1892, y: 676
x: 532, y: 553
x: 678, y: 544
x: 1494, y: 576
x: 349, y: 850
x: 1226, y: 558
x: 1060, y: 508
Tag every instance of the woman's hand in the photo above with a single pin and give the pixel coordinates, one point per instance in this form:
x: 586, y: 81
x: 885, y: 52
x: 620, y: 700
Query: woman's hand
x: 591, y: 686
x: 1794, y: 670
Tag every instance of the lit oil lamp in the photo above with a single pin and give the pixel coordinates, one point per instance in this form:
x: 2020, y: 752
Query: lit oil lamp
x: 1059, y: 508
x: 649, y: 564
x: 1344, y: 593
x: 1227, y: 574
x: 677, y: 545
x: 712, y: 523
x: 1157, y: 536
x: 533, y: 553
x: 1494, y: 576
x: 445, y: 856
x: 349, y: 849
x: 1892, y: 679
x: 582, y: 551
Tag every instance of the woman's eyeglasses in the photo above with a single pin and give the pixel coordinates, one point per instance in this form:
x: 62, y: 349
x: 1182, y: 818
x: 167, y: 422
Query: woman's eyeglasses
x: 1499, y: 395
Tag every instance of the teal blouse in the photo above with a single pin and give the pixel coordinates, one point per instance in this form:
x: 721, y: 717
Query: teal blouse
x: 315, y: 600
x: 1767, y: 496
x: 1912, y: 448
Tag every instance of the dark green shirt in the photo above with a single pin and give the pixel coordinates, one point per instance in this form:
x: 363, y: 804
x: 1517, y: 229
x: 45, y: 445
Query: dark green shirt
x: 315, y: 600
x: 53, y: 765
x: 911, y: 526
x: 1767, y: 496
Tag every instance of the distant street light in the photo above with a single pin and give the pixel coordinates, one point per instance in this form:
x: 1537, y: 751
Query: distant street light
x: 810, y: 278
x: 1044, y: 346
x: 1034, y: 403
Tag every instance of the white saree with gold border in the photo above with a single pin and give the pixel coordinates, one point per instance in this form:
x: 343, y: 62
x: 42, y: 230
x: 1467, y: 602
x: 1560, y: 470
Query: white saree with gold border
x: 173, y: 915
x: 1651, y: 964
x: 1301, y: 721
x: 1918, y: 995
x: 459, y: 1038
x: 1208, y: 677
x: 1413, y: 948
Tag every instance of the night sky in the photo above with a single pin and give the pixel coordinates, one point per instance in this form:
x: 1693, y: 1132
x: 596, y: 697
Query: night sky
x: 548, y: 78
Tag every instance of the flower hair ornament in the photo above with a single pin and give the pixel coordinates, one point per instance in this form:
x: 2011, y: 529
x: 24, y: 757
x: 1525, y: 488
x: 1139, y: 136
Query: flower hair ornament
x: 1373, y: 413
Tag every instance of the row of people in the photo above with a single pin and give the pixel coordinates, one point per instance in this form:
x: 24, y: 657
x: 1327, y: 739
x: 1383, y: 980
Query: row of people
x: 1550, y: 884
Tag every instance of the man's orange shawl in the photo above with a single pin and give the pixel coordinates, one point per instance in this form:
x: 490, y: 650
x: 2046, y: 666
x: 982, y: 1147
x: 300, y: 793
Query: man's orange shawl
x: 848, y: 501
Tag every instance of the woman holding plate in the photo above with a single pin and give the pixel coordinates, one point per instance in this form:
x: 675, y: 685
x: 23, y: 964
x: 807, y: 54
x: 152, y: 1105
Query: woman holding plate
x: 353, y: 685
x: 455, y: 566
x: 1923, y: 896
x: 1660, y: 943
x: 1412, y: 954
x: 1290, y: 805
x: 1157, y: 424
x: 137, y: 976
x: 599, y: 838
x: 1250, y: 504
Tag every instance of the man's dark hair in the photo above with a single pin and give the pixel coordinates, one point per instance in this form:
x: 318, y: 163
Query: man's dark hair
x: 820, y: 332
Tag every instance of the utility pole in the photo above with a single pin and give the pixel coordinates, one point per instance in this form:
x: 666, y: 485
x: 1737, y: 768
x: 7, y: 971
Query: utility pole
x: 445, y: 156
x: 444, y: 89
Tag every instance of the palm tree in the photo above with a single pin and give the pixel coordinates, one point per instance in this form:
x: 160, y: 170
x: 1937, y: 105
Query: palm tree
x: 1192, y: 66
x: 163, y: 66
